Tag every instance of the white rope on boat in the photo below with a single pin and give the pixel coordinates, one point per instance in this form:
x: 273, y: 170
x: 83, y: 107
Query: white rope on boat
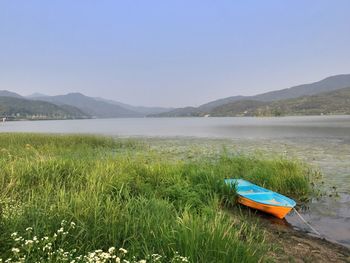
x: 310, y: 226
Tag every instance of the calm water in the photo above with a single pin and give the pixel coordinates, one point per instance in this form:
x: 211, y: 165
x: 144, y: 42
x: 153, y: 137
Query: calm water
x: 323, y: 142
x: 245, y: 127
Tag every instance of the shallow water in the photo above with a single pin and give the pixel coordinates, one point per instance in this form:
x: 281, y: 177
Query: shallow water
x: 322, y: 141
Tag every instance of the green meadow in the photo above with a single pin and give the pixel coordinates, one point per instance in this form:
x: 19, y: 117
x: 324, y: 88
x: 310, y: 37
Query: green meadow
x: 76, y: 198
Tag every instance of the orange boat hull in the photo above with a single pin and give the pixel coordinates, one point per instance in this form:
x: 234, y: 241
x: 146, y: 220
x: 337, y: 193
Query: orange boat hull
x: 277, y: 211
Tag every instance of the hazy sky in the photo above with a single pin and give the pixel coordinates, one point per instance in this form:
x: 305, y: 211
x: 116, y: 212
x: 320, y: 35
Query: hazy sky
x: 170, y: 53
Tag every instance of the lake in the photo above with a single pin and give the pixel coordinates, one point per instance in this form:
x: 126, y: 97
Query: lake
x: 321, y: 141
x: 240, y: 127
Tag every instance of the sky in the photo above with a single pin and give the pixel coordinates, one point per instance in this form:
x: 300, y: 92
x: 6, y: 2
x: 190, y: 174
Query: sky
x: 170, y: 53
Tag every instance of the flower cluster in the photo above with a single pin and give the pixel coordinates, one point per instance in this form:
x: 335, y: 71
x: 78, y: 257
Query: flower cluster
x: 29, y: 247
x: 109, y: 256
x: 32, y: 248
x: 177, y: 258
x: 10, y: 208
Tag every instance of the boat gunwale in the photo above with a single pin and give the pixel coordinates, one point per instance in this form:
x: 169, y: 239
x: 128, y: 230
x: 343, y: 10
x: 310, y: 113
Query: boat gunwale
x: 291, y: 202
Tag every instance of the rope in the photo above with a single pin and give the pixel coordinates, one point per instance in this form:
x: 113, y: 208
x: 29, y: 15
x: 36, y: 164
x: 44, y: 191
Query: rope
x: 310, y: 226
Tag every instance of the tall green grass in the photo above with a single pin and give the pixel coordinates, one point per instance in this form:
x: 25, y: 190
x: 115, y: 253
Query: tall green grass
x: 120, y: 193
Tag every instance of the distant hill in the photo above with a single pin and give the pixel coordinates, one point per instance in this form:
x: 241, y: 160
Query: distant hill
x: 334, y: 102
x: 96, y: 107
x: 139, y: 109
x: 180, y: 112
x: 238, y: 108
x: 6, y: 93
x: 91, y: 106
x: 20, y: 108
x: 36, y: 95
x: 211, y: 105
x: 328, y: 84
x: 303, y: 99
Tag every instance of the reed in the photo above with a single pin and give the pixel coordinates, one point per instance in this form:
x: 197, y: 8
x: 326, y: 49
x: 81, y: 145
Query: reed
x: 121, y: 193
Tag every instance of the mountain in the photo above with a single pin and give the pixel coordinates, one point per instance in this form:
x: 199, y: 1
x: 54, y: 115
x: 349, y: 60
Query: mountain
x: 77, y: 104
x: 328, y: 84
x: 334, y: 102
x: 180, y: 112
x: 36, y: 95
x: 6, y: 93
x: 20, y: 108
x: 238, y: 108
x: 96, y: 107
x: 91, y: 106
x: 140, y: 109
x: 211, y: 105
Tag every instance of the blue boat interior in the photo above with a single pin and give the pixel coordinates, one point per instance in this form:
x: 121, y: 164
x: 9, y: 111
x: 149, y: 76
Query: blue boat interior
x: 259, y: 194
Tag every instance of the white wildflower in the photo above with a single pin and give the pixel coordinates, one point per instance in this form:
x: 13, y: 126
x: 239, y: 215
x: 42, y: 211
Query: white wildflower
x: 15, y: 250
x: 28, y: 229
x: 28, y: 242
x: 111, y: 250
x: 105, y: 255
x: 156, y: 257
x: 60, y: 230
x: 124, y: 251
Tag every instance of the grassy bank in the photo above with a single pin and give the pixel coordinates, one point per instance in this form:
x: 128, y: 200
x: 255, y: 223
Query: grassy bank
x: 121, y: 193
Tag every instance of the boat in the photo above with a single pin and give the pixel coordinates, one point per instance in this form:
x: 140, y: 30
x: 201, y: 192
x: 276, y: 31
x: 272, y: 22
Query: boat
x: 261, y: 199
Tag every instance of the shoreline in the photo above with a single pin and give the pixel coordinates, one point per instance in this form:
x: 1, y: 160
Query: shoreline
x: 291, y: 242
x: 301, y: 245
